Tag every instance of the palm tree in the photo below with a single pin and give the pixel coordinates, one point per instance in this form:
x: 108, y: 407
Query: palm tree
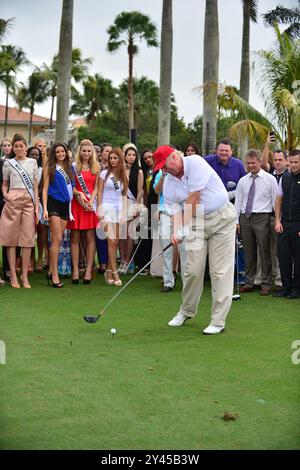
x: 5, y: 26
x: 278, y: 74
x: 11, y: 60
x: 164, y: 123
x: 97, y: 95
x: 36, y: 91
x: 78, y: 73
x: 210, y: 76
x: 283, y: 15
x: 128, y: 28
x: 64, y: 72
x: 249, y: 14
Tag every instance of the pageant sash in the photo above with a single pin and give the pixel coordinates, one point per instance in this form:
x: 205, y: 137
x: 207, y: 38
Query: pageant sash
x: 84, y: 186
x: 24, y: 176
x: 69, y: 187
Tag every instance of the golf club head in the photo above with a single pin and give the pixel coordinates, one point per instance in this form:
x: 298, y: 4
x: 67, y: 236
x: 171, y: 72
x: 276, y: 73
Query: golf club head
x: 90, y: 318
x: 236, y: 297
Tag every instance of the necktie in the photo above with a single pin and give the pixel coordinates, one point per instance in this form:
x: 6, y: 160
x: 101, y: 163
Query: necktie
x: 251, y: 194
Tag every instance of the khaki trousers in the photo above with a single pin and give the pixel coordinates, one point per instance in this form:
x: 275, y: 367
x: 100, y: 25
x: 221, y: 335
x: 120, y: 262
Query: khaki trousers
x: 215, y: 236
x: 17, y: 226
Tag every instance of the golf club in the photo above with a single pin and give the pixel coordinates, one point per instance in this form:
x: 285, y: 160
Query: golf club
x: 93, y: 319
x: 237, y: 295
x: 134, y: 253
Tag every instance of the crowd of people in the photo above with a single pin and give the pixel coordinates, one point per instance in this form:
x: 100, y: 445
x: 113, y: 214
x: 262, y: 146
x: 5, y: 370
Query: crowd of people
x: 114, y: 202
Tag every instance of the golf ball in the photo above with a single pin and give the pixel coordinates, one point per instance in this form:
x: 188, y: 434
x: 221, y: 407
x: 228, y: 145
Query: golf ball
x: 113, y: 331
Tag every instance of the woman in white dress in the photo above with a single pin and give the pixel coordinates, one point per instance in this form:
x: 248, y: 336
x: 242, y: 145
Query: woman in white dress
x: 112, y: 204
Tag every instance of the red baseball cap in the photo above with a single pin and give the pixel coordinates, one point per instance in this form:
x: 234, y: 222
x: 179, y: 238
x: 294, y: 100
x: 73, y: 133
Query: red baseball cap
x: 160, y: 156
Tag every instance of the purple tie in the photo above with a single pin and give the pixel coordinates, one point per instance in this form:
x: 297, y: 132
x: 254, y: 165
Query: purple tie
x: 249, y: 205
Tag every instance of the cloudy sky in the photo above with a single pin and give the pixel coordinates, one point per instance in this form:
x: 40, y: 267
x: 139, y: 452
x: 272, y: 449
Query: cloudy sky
x: 36, y: 30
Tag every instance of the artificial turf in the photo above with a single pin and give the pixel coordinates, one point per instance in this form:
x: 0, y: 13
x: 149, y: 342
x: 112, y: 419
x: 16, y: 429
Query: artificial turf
x: 68, y: 384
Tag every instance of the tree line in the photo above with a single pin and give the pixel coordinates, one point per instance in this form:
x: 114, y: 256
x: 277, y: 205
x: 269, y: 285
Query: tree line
x: 140, y: 103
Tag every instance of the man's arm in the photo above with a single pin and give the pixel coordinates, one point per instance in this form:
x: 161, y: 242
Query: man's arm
x: 265, y: 155
x: 278, y: 205
x: 181, y: 227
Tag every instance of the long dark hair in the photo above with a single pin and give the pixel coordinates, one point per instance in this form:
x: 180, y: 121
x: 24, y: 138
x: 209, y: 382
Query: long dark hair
x: 134, y: 171
x: 121, y: 170
x: 51, y: 162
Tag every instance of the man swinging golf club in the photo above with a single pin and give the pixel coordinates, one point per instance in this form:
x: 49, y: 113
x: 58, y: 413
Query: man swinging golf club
x: 209, y: 223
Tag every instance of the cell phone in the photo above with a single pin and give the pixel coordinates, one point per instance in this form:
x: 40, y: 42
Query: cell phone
x: 272, y: 135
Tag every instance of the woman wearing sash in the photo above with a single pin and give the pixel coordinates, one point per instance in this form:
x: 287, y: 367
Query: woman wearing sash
x: 135, y: 198
x: 84, y: 208
x: 57, y: 197
x: 21, y: 211
x: 101, y: 244
x: 112, y: 197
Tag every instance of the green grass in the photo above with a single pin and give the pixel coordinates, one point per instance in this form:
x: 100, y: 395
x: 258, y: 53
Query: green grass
x: 70, y: 385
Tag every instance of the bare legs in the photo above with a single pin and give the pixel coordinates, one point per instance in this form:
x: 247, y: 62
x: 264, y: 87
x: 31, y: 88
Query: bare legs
x: 90, y: 252
x: 11, y: 256
x: 57, y: 227
x: 112, y: 231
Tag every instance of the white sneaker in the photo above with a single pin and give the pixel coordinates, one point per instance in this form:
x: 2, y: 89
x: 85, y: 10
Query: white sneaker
x: 178, y: 320
x: 213, y: 330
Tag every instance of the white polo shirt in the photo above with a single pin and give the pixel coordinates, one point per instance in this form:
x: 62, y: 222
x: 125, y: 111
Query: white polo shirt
x: 198, y: 175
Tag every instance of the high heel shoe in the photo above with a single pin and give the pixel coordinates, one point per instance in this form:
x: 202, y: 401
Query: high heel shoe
x: 75, y: 280
x: 118, y: 282
x: 58, y: 285
x: 86, y: 281
x: 49, y: 278
x: 110, y: 282
x: 28, y: 286
x: 15, y: 286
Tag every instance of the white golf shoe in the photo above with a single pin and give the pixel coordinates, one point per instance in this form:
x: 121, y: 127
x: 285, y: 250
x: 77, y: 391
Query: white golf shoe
x: 178, y: 320
x: 213, y: 330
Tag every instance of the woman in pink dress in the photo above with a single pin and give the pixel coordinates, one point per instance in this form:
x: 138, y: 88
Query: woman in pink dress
x: 84, y: 208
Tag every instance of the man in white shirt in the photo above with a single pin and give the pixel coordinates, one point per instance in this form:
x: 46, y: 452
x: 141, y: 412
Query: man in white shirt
x: 194, y: 189
x: 254, y: 202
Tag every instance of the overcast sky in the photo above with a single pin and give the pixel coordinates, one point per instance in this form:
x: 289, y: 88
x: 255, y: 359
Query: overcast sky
x: 36, y: 30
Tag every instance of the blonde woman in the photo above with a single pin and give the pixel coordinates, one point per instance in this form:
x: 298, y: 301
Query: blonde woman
x: 84, y: 207
x: 112, y: 197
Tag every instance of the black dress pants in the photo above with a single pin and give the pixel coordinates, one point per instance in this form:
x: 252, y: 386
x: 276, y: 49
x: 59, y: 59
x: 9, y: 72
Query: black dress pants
x: 288, y: 246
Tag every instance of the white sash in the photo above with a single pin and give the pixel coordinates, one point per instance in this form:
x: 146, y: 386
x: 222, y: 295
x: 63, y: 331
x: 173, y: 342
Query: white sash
x: 84, y: 186
x: 24, y: 176
x: 69, y: 187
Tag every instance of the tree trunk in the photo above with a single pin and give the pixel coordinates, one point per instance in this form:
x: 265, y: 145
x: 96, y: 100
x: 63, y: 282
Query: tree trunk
x: 30, y: 124
x: 6, y: 111
x: 245, y: 62
x: 51, y: 112
x: 210, y: 76
x: 166, y: 49
x: 64, y: 72
x: 130, y: 89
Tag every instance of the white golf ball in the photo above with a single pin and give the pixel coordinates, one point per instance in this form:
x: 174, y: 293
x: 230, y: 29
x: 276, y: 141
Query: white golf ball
x: 113, y: 331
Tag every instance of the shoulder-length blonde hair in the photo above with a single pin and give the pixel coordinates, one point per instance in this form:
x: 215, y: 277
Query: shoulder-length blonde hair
x: 120, y: 170
x: 93, y: 163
